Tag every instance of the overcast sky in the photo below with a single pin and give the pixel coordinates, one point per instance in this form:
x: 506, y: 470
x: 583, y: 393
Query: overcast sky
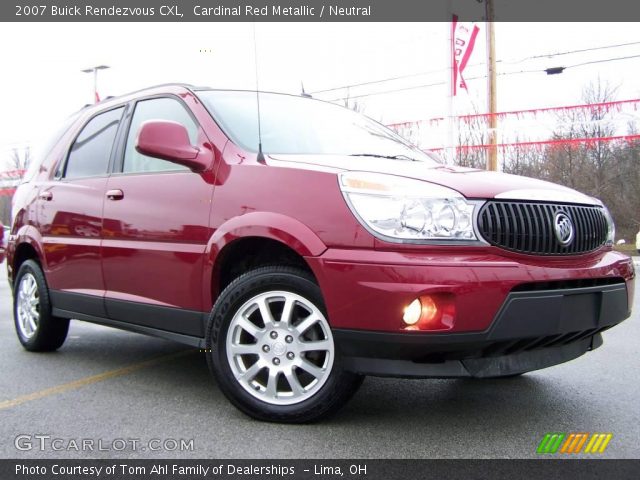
x: 42, y: 83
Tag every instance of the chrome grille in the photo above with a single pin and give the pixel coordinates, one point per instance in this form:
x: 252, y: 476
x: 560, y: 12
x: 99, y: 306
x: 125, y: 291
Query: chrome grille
x: 528, y: 227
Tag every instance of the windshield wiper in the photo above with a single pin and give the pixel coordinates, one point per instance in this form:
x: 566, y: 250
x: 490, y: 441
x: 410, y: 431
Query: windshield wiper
x: 390, y: 157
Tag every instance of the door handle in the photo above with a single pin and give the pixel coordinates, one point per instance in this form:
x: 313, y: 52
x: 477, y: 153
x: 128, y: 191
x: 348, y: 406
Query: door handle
x: 115, y: 194
x: 46, y: 196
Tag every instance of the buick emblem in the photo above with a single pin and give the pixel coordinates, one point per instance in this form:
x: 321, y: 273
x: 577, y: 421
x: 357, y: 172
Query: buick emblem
x: 563, y: 227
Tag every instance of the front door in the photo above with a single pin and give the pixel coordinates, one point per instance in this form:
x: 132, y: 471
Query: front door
x: 155, y: 231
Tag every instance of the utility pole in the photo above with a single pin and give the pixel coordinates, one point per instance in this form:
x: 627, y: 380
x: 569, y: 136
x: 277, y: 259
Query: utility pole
x: 94, y: 70
x: 492, y: 101
x: 450, y: 154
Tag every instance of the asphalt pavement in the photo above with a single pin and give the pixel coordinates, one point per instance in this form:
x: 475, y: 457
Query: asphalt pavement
x: 132, y: 396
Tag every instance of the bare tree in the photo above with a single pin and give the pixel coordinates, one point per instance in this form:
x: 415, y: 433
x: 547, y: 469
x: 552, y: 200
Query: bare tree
x: 596, y: 166
x: 597, y: 125
x: 353, y: 103
x: 20, y: 158
x: 524, y: 160
x: 472, y: 131
x: 586, y: 166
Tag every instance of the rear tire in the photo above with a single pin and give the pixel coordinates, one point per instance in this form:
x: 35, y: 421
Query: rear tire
x: 37, y: 329
x: 272, y: 351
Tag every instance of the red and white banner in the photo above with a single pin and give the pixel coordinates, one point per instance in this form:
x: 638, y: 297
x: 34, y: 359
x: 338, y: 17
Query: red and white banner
x: 590, y: 142
x: 463, y: 39
x: 600, y: 108
x: 9, y: 181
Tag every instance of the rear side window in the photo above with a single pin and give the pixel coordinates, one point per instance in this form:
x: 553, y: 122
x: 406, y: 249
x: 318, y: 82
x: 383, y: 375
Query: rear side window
x: 90, y: 153
x: 156, y: 109
x: 43, y: 148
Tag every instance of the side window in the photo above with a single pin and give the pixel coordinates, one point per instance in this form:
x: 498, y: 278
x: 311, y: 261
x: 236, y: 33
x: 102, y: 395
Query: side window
x: 44, y: 148
x: 90, y: 153
x: 156, y: 109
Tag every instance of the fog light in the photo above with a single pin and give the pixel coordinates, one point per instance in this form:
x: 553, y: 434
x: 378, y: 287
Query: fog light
x: 412, y: 312
x: 430, y: 312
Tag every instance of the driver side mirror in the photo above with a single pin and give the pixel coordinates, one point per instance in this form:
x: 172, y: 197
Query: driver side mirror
x: 169, y: 141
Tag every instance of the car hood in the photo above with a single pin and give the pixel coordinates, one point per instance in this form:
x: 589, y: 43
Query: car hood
x: 472, y: 183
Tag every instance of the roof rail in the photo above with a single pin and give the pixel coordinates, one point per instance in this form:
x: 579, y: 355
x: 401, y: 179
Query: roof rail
x: 168, y: 84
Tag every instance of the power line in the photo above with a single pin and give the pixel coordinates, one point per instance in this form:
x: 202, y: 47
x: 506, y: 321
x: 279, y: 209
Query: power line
x: 591, y: 62
x: 558, y: 54
x: 519, y: 72
x: 603, y: 61
x: 504, y: 62
x: 383, y: 80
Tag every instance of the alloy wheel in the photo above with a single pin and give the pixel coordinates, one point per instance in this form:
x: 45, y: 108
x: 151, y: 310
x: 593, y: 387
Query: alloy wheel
x: 280, y: 348
x: 28, y: 306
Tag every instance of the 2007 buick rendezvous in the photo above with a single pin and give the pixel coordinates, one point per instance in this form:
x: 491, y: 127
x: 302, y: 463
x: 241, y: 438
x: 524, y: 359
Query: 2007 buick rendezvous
x: 342, y: 251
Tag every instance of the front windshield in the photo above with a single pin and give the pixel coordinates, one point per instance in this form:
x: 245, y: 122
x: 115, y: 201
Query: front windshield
x: 298, y: 125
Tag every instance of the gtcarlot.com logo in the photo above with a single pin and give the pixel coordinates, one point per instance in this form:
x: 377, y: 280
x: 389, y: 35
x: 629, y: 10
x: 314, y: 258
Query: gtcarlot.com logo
x: 574, y: 443
x: 26, y: 442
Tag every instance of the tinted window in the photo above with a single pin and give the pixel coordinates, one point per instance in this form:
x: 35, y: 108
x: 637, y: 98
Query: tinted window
x: 43, y: 148
x: 90, y: 152
x: 156, y: 109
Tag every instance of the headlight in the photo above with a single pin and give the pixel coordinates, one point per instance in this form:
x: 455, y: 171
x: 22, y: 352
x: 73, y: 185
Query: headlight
x: 611, y: 233
x: 406, y: 209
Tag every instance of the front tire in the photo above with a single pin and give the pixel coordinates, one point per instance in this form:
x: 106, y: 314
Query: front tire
x: 272, y: 350
x: 37, y: 329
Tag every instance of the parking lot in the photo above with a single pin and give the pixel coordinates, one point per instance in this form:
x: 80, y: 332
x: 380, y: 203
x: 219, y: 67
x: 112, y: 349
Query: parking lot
x: 106, y: 385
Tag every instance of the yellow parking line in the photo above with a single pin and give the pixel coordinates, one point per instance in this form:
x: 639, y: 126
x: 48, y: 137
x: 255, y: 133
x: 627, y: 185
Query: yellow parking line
x: 65, y: 387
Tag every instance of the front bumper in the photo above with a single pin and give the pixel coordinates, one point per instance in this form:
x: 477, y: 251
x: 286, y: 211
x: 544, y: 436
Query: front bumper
x: 482, y: 367
x: 511, y: 317
x: 532, y: 330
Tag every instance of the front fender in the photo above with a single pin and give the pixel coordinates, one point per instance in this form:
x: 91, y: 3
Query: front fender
x: 270, y: 225
x: 274, y: 226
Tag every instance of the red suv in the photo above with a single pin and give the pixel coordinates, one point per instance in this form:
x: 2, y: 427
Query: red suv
x: 303, y: 246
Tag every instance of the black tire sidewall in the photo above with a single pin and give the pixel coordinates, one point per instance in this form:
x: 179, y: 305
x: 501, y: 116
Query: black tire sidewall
x: 51, y: 331
x: 27, y: 267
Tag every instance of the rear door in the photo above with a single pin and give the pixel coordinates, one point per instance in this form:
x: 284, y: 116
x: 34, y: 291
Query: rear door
x: 70, y: 217
x: 155, y: 230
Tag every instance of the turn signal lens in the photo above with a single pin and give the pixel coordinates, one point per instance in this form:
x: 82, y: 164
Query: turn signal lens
x: 429, y: 309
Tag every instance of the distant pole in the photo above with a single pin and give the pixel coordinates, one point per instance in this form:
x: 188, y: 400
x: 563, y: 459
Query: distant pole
x: 492, y: 101
x: 95, y: 84
x: 94, y: 70
x: 450, y: 155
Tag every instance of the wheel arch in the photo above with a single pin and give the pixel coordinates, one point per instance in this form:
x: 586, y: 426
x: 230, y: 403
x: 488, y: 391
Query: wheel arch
x: 26, y: 246
x: 253, y: 240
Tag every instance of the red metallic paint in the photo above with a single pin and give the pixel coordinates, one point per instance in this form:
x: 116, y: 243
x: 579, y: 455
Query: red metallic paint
x: 70, y: 224
x: 370, y: 289
x: 170, y: 141
x: 470, y: 182
x: 160, y: 225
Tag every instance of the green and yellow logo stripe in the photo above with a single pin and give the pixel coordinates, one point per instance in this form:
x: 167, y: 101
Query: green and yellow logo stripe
x: 574, y: 443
